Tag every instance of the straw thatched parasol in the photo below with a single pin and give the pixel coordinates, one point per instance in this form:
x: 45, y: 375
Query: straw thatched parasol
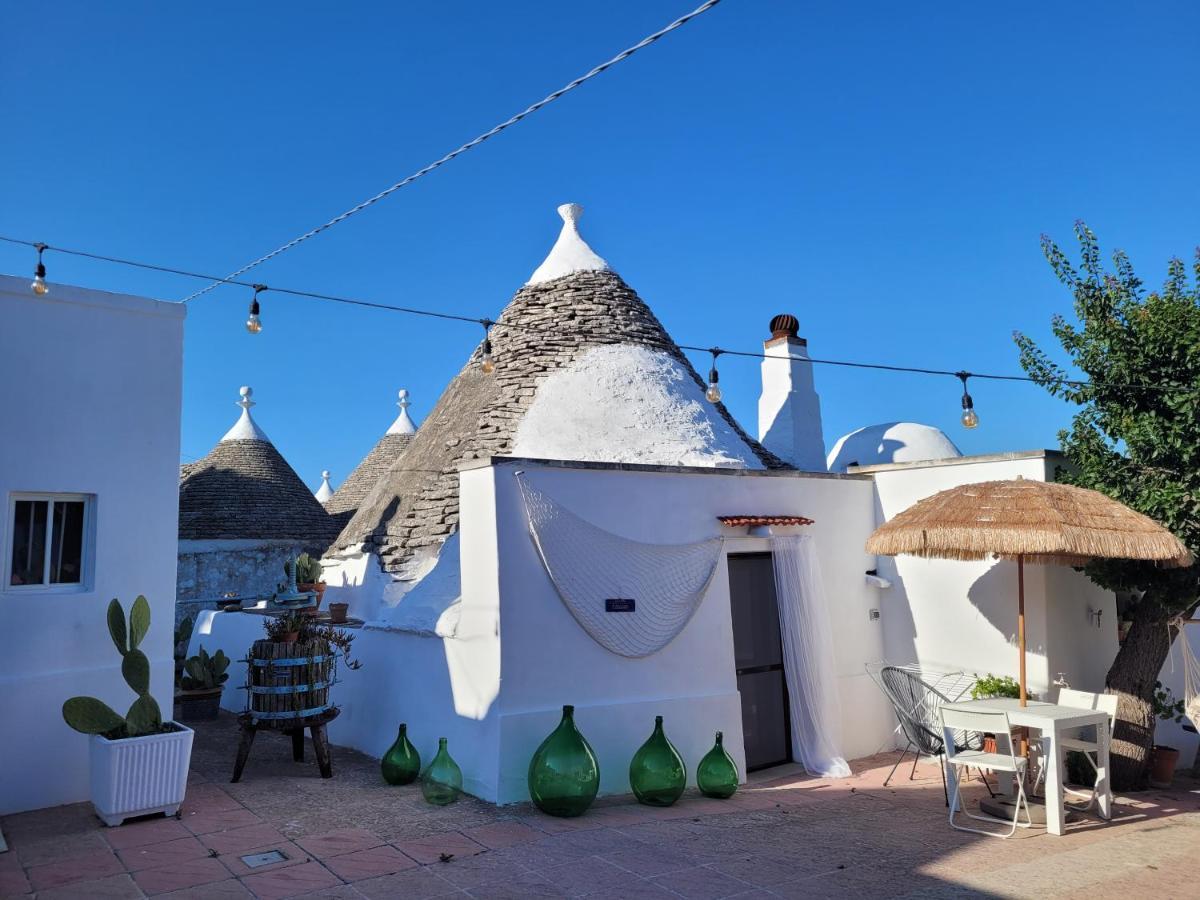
x: 1029, y: 521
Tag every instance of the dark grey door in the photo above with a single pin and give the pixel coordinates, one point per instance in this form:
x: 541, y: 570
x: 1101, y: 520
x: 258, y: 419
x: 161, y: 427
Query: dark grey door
x: 758, y: 656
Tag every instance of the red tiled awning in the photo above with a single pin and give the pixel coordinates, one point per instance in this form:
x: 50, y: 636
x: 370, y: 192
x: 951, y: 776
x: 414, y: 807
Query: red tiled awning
x: 764, y: 520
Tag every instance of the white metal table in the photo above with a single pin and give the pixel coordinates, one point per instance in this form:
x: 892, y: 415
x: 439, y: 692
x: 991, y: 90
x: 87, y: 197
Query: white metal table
x: 1053, y: 722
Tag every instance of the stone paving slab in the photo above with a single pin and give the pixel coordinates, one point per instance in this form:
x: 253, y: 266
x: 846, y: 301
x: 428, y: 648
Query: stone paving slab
x: 782, y: 835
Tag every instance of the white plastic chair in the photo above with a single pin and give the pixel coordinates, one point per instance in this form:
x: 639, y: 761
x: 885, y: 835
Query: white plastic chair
x: 1106, y: 703
x: 1003, y: 760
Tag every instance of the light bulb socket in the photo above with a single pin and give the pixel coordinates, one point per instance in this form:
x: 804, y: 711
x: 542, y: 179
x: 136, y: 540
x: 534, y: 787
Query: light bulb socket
x: 967, y: 402
x: 40, y: 271
x: 487, y: 347
x: 713, y: 375
x: 254, y: 310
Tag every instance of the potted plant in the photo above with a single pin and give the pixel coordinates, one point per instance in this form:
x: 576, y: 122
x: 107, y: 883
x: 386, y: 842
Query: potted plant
x: 286, y: 629
x: 338, y: 612
x: 308, y: 578
x: 1000, y: 686
x: 139, y: 763
x: 199, y: 694
x: 1163, y: 759
x: 183, y: 634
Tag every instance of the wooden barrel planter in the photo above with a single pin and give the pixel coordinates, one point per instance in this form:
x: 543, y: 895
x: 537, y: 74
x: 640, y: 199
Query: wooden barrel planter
x: 289, y: 681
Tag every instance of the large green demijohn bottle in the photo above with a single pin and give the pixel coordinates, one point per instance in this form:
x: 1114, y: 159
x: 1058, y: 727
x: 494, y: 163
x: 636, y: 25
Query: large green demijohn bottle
x: 563, y: 774
x: 657, y: 773
x: 401, y: 764
x: 441, y: 782
x: 717, y: 774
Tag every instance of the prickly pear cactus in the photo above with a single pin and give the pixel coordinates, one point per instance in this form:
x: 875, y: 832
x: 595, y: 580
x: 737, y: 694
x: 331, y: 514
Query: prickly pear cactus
x: 205, y: 672
x: 92, y: 716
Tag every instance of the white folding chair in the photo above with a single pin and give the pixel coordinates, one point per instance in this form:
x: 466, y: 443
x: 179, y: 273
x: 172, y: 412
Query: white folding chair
x: 1003, y: 760
x: 1106, y: 703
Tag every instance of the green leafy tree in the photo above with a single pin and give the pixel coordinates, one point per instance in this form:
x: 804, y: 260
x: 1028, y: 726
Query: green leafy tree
x: 1136, y: 438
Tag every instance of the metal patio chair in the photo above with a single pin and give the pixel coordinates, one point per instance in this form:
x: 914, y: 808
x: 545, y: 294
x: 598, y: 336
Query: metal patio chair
x: 918, y: 706
x: 961, y: 721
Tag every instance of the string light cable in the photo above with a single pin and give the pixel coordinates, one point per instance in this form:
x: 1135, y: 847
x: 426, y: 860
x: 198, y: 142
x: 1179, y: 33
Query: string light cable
x: 488, y: 363
x: 474, y: 142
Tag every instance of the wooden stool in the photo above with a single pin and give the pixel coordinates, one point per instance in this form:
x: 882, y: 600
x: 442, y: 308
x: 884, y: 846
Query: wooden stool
x: 294, y: 727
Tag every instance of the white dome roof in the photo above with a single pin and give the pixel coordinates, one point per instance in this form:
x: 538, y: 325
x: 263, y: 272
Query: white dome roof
x: 628, y: 403
x: 891, y: 442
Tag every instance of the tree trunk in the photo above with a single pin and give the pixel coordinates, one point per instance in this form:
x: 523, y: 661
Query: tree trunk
x: 1132, y: 676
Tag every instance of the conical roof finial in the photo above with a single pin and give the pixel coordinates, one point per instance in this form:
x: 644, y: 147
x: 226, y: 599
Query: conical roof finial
x: 403, y: 424
x: 246, y: 429
x: 570, y: 252
x: 324, y: 492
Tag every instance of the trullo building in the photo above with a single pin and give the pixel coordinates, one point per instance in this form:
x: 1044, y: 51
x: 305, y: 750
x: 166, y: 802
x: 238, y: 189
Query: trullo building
x: 576, y: 523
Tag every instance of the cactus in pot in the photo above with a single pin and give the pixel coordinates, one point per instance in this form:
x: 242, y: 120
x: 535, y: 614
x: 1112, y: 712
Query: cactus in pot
x: 91, y: 716
x: 205, y: 673
x: 308, y: 577
x: 137, y: 763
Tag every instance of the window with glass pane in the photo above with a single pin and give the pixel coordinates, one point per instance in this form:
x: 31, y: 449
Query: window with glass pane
x: 49, y: 540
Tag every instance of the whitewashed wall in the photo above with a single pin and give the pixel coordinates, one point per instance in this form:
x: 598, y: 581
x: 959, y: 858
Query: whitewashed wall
x: 947, y: 614
x: 548, y: 660
x: 90, y: 385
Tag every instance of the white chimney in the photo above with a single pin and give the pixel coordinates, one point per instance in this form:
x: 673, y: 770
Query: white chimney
x: 789, y: 410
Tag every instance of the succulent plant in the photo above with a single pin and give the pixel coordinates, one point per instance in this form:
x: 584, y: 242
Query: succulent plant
x: 204, y: 672
x: 308, y: 570
x: 92, y: 716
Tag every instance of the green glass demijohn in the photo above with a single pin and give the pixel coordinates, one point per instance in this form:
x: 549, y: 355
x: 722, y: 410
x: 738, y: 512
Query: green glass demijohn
x: 564, y: 776
x: 441, y: 782
x: 657, y: 773
x: 717, y: 774
x: 401, y: 764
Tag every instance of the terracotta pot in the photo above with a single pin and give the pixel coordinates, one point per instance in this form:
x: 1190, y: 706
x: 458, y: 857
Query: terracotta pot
x: 290, y: 637
x: 319, y: 588
x: 1162, y: 765
x: 337, y: 612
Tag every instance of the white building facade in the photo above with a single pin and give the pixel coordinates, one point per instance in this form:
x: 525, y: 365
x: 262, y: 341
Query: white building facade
x: 89, y: 471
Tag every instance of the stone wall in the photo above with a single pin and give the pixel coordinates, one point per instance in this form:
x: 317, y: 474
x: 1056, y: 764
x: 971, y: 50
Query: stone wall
x: 212, y: 568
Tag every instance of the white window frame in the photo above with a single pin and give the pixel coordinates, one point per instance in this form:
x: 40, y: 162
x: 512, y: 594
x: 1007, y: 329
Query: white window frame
x: 87, y: 548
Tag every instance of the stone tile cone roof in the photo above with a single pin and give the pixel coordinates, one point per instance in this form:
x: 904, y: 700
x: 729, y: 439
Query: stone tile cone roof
x: 351, y: 493
x: 245, y: 489
x: 416, y: 505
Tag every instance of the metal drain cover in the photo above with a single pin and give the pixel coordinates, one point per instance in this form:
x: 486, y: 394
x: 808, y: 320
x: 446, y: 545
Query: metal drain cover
x: 257, y: 860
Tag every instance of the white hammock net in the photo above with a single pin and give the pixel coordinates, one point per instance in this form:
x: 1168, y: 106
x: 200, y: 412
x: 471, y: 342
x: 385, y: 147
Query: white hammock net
x: 1191, y: 677
x: 590, y: 566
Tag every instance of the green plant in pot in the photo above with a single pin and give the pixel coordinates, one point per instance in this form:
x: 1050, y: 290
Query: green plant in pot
x: 139, y: 764
x: 1164, y: 759
x: 992, y: 686
x: 200, y: 689
x: 308, y: 577
x: 183, y: 635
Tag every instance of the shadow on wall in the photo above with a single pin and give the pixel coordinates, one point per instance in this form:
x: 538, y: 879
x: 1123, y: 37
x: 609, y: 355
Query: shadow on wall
x: 994, y: 594
x: 854, y: 454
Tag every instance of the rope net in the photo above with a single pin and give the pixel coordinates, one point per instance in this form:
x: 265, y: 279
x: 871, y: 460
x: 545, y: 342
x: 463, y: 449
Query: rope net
x: 590, y: 566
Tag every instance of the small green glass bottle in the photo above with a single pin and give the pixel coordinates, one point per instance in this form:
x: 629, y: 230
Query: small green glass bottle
x: 564, y: 776
x: 657, y: 773
x: 441, y: 782
x: 717, y: 774
x: 401, y: 764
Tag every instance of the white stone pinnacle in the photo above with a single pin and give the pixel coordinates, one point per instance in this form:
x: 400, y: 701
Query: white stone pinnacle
x: 403, y: 424
x: 324, y: 492
x: 570, y: 252
x: 246, y: 429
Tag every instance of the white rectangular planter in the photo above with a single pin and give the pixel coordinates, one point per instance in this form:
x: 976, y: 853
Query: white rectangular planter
x: 141, y: 775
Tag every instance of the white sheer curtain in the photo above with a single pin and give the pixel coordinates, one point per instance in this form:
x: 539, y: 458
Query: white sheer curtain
x: 808, y: 660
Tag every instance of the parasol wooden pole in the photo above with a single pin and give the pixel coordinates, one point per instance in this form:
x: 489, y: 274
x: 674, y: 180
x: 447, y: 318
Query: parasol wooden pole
x: 1021, y: 621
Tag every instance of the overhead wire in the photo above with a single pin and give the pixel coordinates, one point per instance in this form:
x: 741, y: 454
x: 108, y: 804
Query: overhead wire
x: 488, y: 324
x: 474, y: 142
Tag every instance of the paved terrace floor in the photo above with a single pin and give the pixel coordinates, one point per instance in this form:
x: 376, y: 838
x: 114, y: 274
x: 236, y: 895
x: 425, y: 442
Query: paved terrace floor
x: 783, y: 835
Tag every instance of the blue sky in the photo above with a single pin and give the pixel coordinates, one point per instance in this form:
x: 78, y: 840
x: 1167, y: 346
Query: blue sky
x: 880, y: 170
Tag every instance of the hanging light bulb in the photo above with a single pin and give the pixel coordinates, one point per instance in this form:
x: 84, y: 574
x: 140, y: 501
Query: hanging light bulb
x: 713, y: 394
x: 39, y: 285
x: 969, y: 418
x: 253, y: 322
x: 486, y: 364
